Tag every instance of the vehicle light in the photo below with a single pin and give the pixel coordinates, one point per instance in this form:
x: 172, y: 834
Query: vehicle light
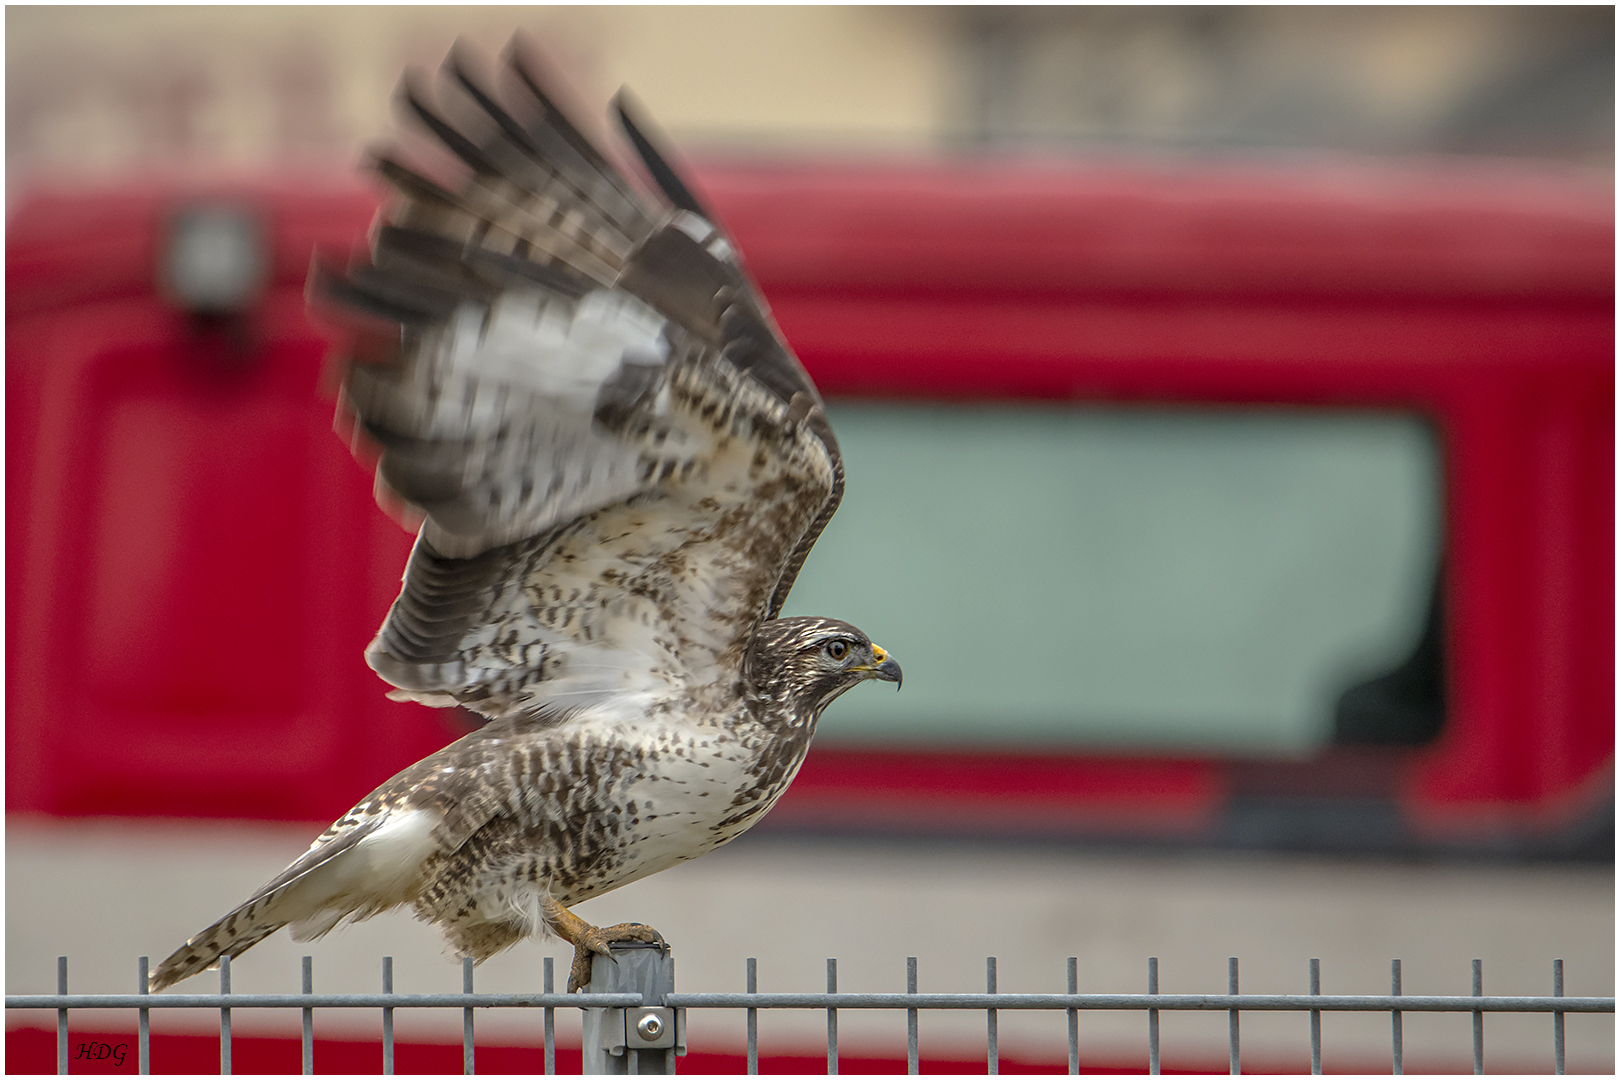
x: 215, y: 259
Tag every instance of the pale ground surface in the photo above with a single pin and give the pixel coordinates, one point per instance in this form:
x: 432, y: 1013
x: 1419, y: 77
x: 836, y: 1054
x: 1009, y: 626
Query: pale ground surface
x: 103, y: 893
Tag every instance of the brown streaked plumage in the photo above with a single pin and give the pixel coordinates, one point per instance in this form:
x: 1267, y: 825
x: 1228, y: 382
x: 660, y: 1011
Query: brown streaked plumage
x: 619, y: 468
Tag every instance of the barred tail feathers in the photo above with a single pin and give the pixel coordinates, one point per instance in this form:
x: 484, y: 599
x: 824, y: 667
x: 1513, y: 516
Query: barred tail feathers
x: 351, y: 875
x: 234, y: 934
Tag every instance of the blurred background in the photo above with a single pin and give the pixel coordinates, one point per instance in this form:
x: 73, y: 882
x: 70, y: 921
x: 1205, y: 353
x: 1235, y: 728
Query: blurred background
x: 1227, y: 399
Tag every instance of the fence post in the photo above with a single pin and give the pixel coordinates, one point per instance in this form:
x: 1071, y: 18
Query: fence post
x: 61, y: 1019
x: 639, y: 1040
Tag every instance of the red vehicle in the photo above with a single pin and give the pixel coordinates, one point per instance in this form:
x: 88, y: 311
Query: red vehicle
x: 195, y: 564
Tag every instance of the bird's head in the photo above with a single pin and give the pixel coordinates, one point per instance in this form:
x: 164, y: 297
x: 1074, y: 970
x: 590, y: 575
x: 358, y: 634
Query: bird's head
x: 807, y: 662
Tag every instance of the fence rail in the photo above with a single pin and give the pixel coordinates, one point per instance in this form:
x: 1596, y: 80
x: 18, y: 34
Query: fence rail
x: 652, y: 998
x: 1119, y: 1002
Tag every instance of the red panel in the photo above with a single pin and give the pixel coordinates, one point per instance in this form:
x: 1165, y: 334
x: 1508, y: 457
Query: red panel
x: 33, y: 1051
x: 974, y: 791
x: 196, y: 579
x: 1342, y: 230
x: 1532, y: 587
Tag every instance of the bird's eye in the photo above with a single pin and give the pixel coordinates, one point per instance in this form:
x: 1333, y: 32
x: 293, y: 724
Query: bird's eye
x: 837, y: 649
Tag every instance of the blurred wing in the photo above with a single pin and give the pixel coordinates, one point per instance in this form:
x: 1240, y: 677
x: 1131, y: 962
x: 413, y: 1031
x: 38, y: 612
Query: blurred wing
x: 620, y: 465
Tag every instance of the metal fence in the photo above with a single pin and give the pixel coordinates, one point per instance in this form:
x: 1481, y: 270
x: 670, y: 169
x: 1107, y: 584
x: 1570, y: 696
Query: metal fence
x: 634, y: 1022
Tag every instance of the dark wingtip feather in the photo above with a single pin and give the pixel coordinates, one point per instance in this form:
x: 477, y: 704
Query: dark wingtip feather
x: 460, y: 64
x: 363, y: 290
x: 522, y: 60
x: 461, y: 59
x: 663, y: 174
x: 415, y: 101
x: 408, y: 181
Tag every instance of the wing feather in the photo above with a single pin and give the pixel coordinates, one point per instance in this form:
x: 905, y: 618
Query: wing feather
x: 663, y: 174
x: 619, y: 463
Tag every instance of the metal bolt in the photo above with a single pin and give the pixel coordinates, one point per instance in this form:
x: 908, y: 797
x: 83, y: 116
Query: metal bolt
x: 650, y: 1027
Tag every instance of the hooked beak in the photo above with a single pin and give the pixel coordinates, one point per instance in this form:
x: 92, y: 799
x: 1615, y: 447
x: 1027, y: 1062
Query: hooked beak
x: 885, y: 668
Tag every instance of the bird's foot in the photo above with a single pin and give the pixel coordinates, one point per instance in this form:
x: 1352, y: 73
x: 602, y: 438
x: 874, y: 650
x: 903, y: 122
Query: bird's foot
x: 596, y: 939
x: 587, y: 939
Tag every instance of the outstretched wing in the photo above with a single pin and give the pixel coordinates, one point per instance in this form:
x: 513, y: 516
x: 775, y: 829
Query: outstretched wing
x: 619, y: 463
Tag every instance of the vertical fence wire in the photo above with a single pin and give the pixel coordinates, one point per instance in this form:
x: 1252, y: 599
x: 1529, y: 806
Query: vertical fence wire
x: 832, y: 1019
x: 1397, y: 1066
x: 1316, y: 1019
x: 992, y: 1051
x: 309, y: 1019
x: 912, y: 1065
x: 753, y: 1019
x: 143, y: 1029
x: 388, y: 1017
x: 547, y: 982
x: 61, y: 1018
x: 1153, y: 1018
x: 466, y: 1018
x: 1558, y: 1020
x: 225, y: 1018
x: 1074, y: 1019
x: 1232, y: 1014
x: 1479, y: 1019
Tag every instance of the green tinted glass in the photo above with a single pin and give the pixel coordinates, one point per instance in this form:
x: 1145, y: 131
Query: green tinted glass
x: 1124, y: 579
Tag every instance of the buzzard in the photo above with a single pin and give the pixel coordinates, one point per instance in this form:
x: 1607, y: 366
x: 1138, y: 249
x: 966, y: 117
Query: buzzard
x: 619, y: 468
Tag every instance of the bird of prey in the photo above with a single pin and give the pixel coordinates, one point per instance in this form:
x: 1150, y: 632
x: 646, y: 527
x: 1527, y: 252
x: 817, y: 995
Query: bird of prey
x: 619, y: 468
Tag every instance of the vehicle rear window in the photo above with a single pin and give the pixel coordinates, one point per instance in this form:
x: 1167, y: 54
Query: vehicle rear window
x: 1161, y: 580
